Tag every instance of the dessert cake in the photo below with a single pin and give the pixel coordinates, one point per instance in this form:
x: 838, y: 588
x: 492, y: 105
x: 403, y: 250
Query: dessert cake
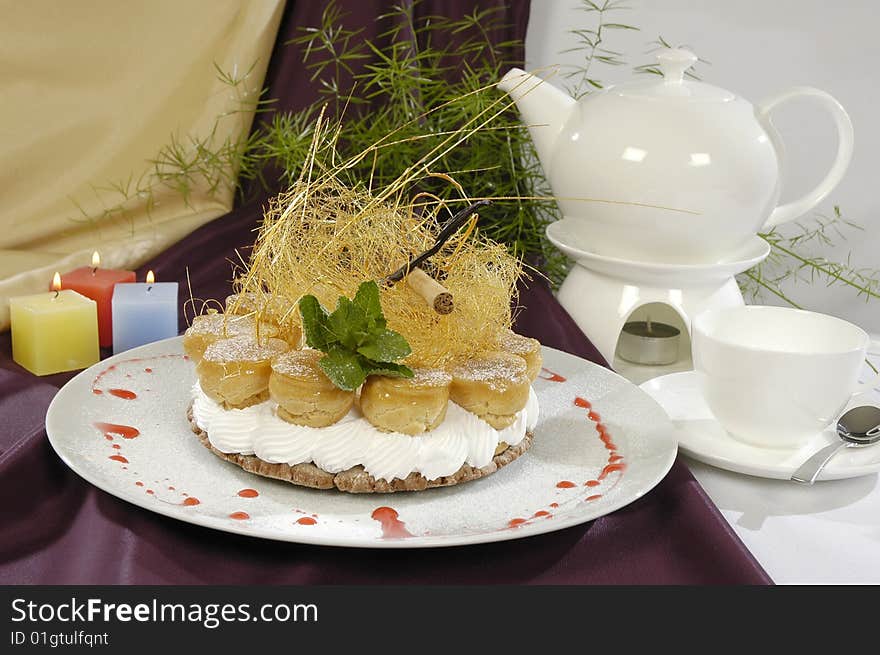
x: 368, y: 346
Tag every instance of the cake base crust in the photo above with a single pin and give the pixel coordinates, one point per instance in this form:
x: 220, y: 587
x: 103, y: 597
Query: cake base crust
x: 356, y: 480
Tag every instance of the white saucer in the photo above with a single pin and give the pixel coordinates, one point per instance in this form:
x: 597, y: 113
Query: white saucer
x: 702, y: 437
x: 570, y: 239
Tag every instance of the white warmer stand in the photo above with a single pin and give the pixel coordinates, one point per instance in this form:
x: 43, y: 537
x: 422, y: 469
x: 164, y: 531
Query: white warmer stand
x: 603, y: 293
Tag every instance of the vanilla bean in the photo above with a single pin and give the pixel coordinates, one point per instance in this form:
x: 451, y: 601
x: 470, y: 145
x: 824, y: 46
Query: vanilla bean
x: 452, y: 226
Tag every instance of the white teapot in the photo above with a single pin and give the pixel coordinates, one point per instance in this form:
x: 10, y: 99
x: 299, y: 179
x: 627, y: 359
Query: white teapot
x: 667, y: 170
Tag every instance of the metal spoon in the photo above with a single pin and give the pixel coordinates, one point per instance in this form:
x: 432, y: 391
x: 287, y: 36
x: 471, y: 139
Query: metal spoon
x: 858, y: 427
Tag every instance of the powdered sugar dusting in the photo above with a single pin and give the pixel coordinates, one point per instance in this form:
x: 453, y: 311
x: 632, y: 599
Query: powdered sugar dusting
x: 301, y: 364
x: 430, y: 377
x: 510, y: 341
x: 244, y: 349
x: 230, y: 325
x: 494, y: 367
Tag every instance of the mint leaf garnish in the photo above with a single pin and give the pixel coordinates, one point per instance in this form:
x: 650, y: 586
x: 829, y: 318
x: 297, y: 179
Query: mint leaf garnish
x: 314, y: 320
x: 386, y: 346
x: 367, y: 299
x: 348, y: 323
x: 355, y: 338
x: 343, y: 368
x: 392, y: 370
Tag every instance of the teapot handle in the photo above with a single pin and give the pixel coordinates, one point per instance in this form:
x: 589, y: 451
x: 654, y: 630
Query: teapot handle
x: 799, y: 207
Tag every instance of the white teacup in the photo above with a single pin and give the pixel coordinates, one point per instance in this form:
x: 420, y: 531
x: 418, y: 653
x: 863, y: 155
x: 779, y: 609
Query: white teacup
x: 774, y: 376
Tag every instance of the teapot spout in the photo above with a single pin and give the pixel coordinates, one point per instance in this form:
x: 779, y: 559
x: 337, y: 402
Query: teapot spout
x: 543, y: 107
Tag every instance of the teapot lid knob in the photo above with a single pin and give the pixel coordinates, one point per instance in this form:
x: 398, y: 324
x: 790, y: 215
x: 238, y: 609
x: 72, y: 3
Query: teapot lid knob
x: 674, y: 62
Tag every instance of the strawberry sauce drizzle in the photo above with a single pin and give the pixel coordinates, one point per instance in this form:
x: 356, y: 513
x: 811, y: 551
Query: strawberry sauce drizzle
x: 248, y: 493
x: 615, y: 459
x: 392, y: 526
x: 110, y: 429
x: 550, y: 376
x: 614, y: 463
x: 306, y: 520
x: 100, y: 377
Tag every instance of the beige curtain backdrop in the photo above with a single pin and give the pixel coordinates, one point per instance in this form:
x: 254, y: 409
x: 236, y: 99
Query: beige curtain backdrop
x: 92, y: 92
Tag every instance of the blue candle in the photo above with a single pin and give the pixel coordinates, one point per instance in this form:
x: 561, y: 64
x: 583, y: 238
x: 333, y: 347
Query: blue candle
x: 143, y: 313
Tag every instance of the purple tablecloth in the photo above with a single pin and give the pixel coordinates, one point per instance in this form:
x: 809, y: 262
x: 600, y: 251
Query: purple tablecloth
x: 55, y: 528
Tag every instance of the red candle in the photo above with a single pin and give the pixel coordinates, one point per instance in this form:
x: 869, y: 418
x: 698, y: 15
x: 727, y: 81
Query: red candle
x: 97, y: 284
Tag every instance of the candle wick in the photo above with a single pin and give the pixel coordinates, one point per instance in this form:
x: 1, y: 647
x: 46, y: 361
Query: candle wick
x: 149, y: 288
x: 95, y: 270
x: 57, y: 292
x: 648, y: 324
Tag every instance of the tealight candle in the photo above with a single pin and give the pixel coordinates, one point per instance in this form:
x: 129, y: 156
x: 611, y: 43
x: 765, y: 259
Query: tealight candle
x: 97, y: 283
x: 54, y: 332
x: 649, y: 342
x: 143, y: 312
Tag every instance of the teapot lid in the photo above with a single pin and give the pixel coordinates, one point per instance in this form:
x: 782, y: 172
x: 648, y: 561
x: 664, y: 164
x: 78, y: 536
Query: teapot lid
x: 673, y: 64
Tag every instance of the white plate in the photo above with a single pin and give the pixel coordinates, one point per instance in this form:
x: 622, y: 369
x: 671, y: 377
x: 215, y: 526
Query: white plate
x: 569, y: 238
x: 702, y: 437
x: 164, y: 467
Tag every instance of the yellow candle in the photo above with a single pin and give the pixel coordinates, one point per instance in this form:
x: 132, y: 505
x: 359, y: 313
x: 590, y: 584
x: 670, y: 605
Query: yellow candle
x: 54, y: 332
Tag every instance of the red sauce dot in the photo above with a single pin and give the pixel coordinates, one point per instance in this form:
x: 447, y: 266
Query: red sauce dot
x: 240, y: 516
x: 582, y: 402
x: 139, y: 483
x: 551, y: 376
x: 306, y: 520
x: 248, y: 493
x: 515, y: 522
x: 592, y: 498
x: 611, y: 468
x: 192, y: 500
x: 554, y: 505
x: 125, y: 431
x: 541, y: 512
x: 97, y: 392
x: 150, y: 491
x: 392, y: 526
x: 148, y: 370
x: 593, y: 416
x: 565, y: 484
x: 615, y: 458
x: 125, y: 394
x: 592, y: 483
x: 117, y: 446
x: 170, y: 488
x: 118, y: 458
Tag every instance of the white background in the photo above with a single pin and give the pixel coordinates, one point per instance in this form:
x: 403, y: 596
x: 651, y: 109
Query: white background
x: 756, y: 48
